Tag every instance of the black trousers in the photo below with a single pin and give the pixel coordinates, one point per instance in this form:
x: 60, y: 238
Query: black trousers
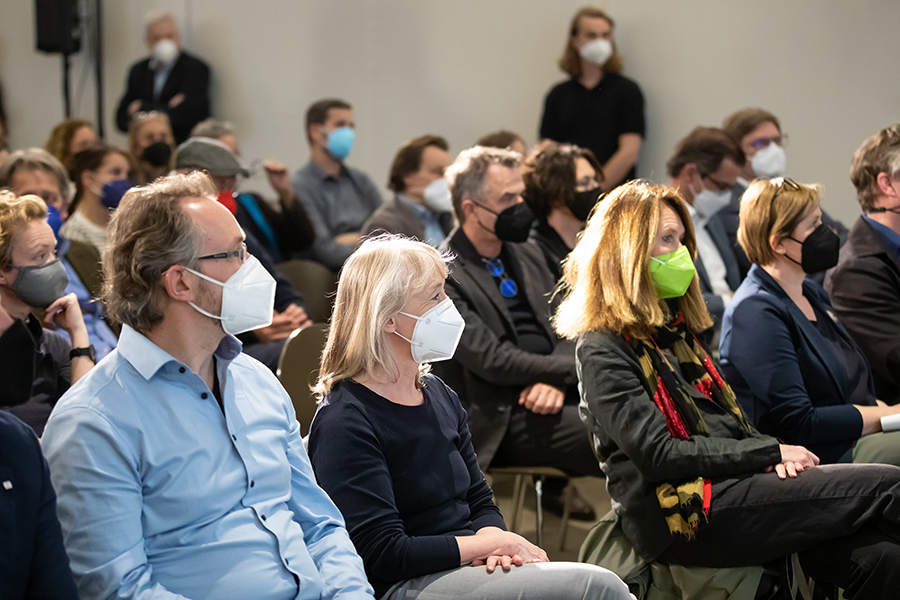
x: 842, y: 520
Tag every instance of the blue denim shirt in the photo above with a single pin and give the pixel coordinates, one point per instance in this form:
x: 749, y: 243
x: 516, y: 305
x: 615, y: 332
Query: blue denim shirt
x: 163, y: 495
x: 891, y: 236
x: 100, y: 335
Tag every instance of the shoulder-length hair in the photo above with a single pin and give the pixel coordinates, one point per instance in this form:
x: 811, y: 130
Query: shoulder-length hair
x: 570, y: 61
x: 606, y: 279
x: 374, y: 285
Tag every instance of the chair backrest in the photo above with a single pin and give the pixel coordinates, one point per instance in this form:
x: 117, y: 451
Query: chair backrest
x: 298, y: 368
x: 315, y: 282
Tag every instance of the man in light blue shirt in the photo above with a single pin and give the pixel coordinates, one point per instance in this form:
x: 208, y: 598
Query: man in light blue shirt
x: 178, y: 464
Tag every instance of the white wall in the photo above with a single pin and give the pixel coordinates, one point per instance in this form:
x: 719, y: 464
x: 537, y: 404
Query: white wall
x: 462, y: 68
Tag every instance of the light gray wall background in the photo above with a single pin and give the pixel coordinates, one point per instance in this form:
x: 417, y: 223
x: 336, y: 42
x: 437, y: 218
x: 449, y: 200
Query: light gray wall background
x: 462, y: 68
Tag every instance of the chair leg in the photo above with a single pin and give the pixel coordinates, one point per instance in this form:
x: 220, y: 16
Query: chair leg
x: 539, y: 510
x: 518, y: 501
x: 568, y: 494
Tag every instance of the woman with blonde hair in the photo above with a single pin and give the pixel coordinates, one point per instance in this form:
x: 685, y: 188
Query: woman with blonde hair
x: 692, y: 481
x: 795, y: 369
x: 152, y: 144
x: 391, y: 446
x: 69, y: 138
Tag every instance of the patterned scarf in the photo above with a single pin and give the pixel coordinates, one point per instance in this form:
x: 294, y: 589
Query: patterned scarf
x: 683, y: 503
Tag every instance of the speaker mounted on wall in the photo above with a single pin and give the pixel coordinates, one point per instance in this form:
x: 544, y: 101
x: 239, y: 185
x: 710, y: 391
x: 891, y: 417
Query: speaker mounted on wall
x: 57, y: 26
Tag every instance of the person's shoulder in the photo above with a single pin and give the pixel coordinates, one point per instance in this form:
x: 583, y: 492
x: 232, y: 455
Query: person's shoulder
x: 563, y: 87
x: 341, y: 408
x: 622, y: 82
x: 601, y: 340
x: 16, y: 437
x: 194, y: 60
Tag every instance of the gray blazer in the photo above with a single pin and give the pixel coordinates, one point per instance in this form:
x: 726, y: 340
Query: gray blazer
x: 394, y: 216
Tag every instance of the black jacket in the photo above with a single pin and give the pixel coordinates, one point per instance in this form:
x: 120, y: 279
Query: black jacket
x: 489, y: 370
x: 636, y: 451
x: 189, y: 76
x: 865, y: 291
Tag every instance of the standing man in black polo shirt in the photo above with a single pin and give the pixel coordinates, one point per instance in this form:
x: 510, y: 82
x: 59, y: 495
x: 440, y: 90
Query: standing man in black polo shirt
x: 597, y: 108
x: 514, y: 376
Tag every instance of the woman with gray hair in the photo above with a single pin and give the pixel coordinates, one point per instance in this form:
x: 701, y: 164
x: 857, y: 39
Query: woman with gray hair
x: 391, y: 445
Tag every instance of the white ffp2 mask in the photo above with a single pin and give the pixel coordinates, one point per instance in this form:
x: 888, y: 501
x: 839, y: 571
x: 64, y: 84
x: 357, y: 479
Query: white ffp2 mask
x: 437, y: 195
x: 436, y: 334
x: 597, y: 51
x: 248, y: 298
x: 769, y: 162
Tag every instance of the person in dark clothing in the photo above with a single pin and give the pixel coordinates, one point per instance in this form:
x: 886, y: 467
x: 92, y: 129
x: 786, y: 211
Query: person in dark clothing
x: 598, y: 108
x: 416, y: 504
x: 36, y: 365
x: 33, y: 560
x: 169, y: 81
x: 562, y: 186
x: 692, y: 482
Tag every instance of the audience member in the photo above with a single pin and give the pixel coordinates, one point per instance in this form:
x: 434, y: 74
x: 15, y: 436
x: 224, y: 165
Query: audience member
x: 515, y: 377
x: 33, y: 561
x: 794, y: 369
x: 284, y: 233
x: 178, y: 462
x: 69, y: 138
x: 35, y: 172
x: 704, y: 169
x: 598, y: 108
x: 690, y: 479
x: 170, y: 81
x: 262, y: 343
x: 758, y: 132
x: 101, y: 175
x: 4, y: 126
x: 338, y: 198
x: 424, y: 522
x: 421, y: 207
x: 562, y: 186
x: 506, y: 140
x: 151, y: 143
x: 865, y: 286
x: 37, y: 365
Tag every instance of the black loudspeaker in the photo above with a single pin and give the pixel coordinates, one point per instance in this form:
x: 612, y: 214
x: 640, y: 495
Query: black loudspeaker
x: 57, y: 26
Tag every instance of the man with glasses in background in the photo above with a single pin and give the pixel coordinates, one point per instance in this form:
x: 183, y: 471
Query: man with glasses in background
x: 178, y: 461
x: 704, y: 169
x: 514, y: 376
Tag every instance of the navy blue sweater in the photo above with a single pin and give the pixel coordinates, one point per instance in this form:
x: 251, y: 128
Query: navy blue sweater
x: 405, y: 478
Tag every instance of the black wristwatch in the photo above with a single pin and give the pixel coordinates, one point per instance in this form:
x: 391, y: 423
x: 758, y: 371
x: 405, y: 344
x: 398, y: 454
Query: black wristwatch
x: 89, y: 352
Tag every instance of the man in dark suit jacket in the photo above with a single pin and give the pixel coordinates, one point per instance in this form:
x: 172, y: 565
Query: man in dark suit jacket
x: 515, y: 377
x: 421, y: 205
x: 169, y: 81
x: 33, y: 561
x: 865, y: 286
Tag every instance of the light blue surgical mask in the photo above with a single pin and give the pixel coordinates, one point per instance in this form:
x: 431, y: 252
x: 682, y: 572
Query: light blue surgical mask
x: 340, y: 142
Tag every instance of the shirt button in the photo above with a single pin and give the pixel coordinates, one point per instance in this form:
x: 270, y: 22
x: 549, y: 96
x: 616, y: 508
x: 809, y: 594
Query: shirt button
x: 181, y: 369
x: 204, y: 395
x: 287, y: 562
x: 234, y: 437
x: 252, y: 483
x: 264, y: 517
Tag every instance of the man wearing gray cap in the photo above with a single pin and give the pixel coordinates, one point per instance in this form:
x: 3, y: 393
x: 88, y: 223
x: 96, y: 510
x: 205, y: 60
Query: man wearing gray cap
x: 214, y: 157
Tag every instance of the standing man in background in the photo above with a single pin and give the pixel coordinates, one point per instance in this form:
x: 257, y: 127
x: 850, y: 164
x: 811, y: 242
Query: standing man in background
x: 170, y: 81
x: 598, y: 108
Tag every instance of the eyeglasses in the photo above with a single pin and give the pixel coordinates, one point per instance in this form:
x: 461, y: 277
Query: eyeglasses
x: 720, y: 185
x: 782, y: 182
x: 763, y: 142
x: 241, y: 254
x: 508, y: 287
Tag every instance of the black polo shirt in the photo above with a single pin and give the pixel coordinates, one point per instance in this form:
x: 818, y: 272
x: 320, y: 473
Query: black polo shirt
x: 35, y: 369
x: 594, y: 118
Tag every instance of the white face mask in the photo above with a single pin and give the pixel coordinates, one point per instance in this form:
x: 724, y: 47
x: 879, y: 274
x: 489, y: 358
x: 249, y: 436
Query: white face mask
x: 248, y: 298
x: 165, y: 51
x: 708, y: 202
x: 597, y: 52
x: 769, y: 162
x: 437, y: 195
x: 436, y: 334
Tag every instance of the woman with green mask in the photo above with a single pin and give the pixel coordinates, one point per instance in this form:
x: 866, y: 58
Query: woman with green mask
x: 692, y: 481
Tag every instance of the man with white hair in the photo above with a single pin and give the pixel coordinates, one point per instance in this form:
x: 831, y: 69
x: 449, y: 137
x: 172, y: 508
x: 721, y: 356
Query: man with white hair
x: 170, y: 81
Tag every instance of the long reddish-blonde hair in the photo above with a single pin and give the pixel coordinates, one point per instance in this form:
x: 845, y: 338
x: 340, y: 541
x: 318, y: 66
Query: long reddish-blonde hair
x: 606, y: 279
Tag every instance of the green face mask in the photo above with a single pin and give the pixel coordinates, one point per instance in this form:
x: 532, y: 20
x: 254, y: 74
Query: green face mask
x: 672, y: 273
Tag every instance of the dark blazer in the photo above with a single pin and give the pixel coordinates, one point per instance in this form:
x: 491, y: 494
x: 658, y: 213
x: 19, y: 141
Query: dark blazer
x: 865, y: 291
x: 394, y: 216
x: 786, y: 375
x: 33, y: 561
x: 636, y: 451
x: 714, y: 302
x: 189, y: 76
x: 489, y: 370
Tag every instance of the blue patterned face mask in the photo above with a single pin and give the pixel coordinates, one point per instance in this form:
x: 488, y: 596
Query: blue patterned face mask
x: 340, y: 142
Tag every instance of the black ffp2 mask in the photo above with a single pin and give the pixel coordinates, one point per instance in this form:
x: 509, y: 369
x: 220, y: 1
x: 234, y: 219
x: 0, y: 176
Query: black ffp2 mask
x: 819, y: 251
x: 584, y: 202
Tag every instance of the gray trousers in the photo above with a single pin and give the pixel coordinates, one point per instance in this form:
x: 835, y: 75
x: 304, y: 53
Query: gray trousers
x: 881, y: 448
x: 557, y: 580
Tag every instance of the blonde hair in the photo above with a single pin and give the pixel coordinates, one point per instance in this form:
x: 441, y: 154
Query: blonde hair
x: 606, y: 279
x: 375, y: 283
x: 772, y: 208
x: 570, y: 61
x: 15, y: 213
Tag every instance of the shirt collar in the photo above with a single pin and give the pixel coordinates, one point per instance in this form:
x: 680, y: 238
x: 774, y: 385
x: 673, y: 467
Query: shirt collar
x: 317, y: 172
x: 422, y: 211
x: 698, y: 219
x: 892, y: 237
x: 148, y: 358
